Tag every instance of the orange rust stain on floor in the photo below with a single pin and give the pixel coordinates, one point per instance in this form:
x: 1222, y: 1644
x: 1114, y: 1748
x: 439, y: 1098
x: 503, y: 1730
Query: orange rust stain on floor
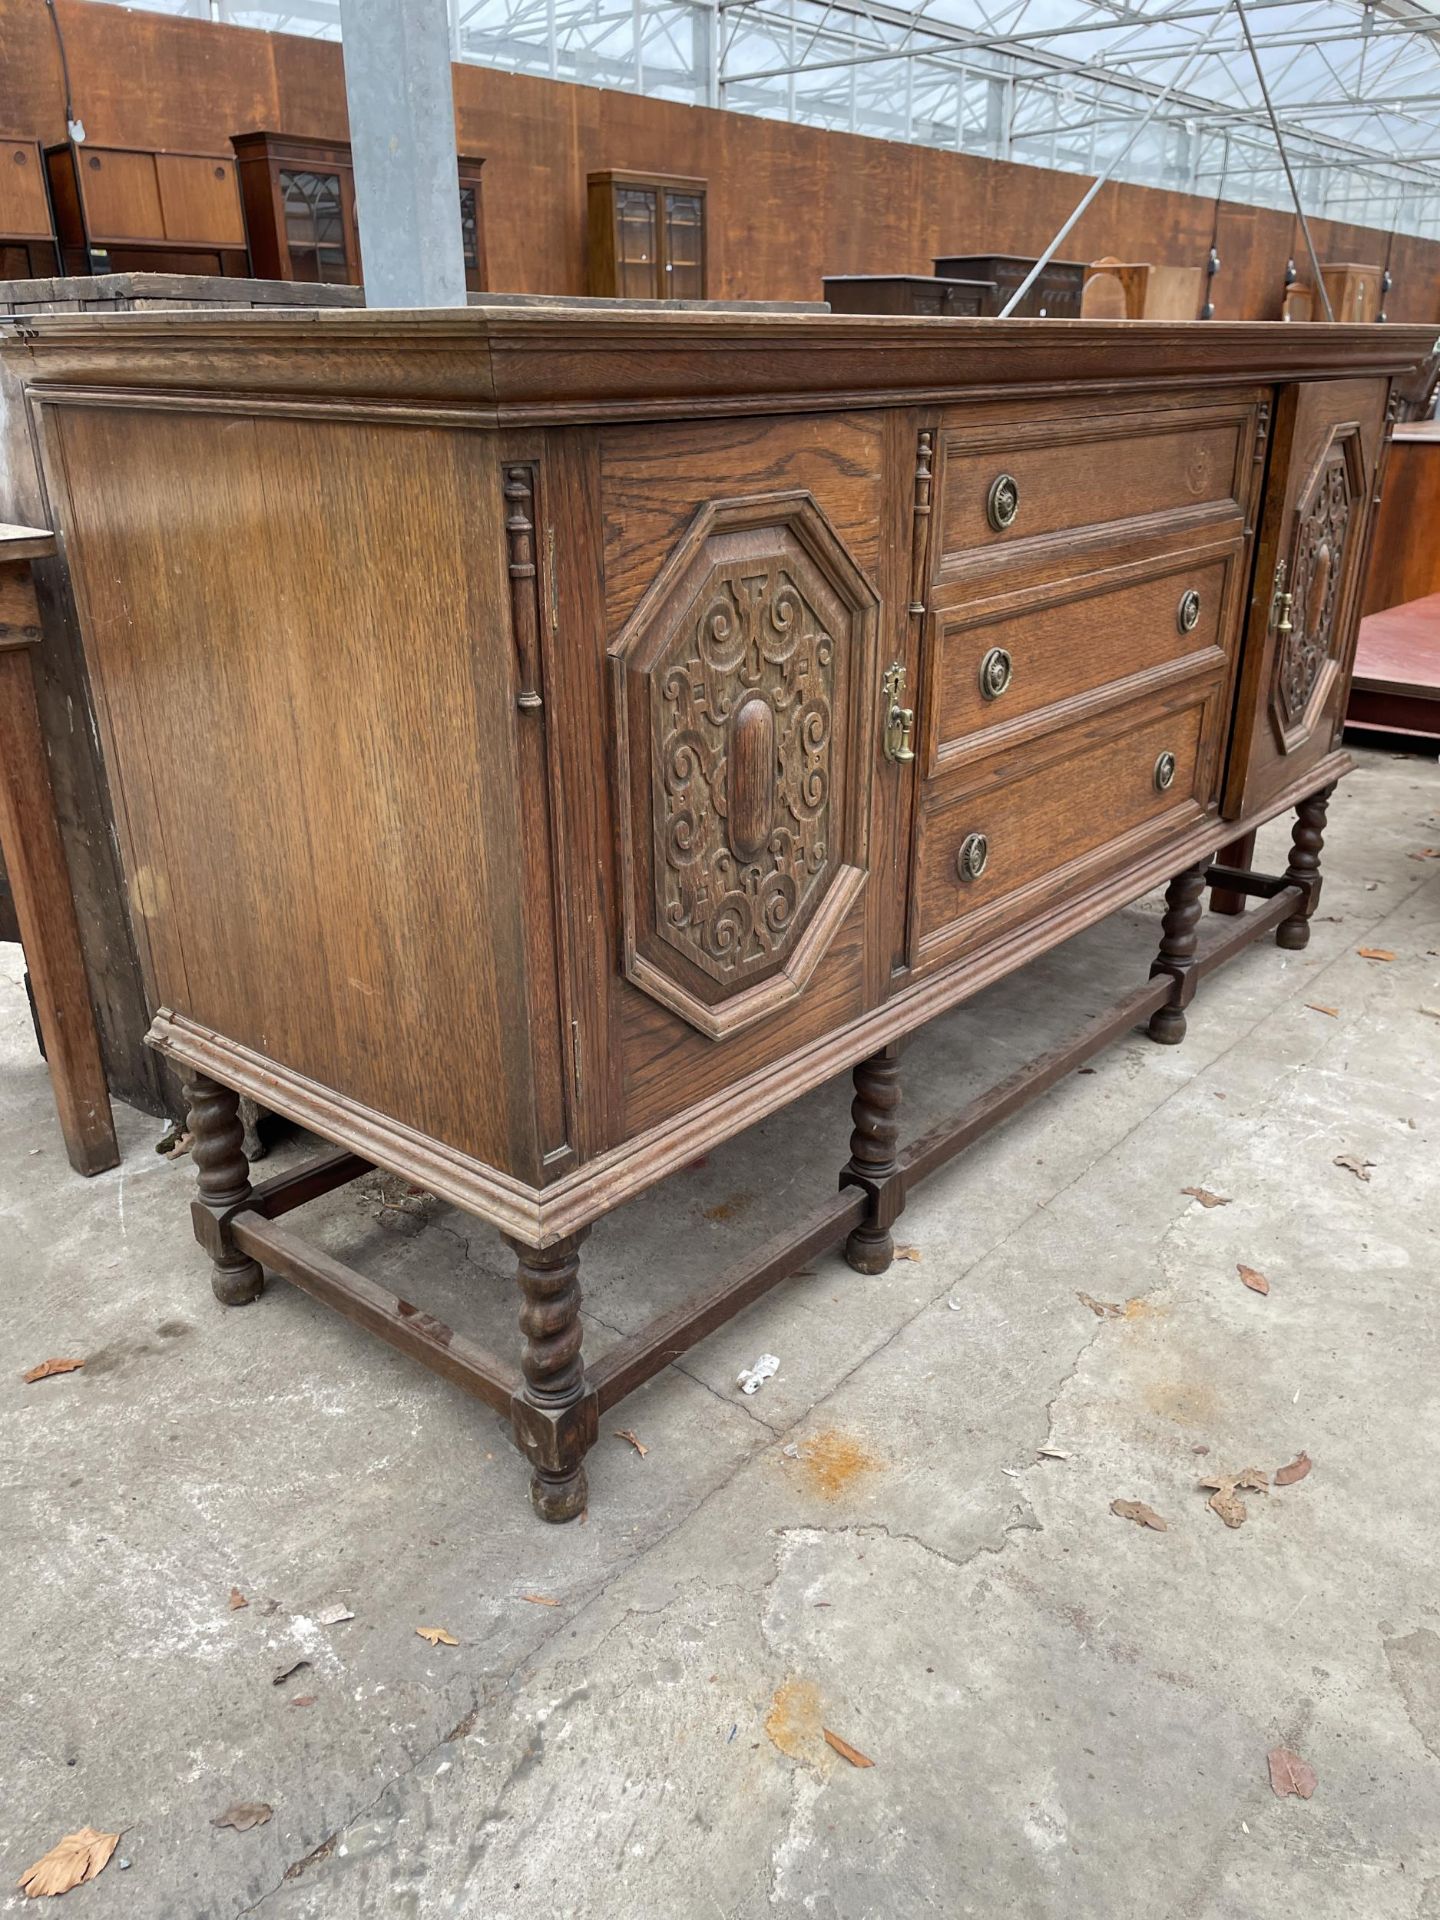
x: 727, y: 1209
x: 1189, y: 1403
x: 833, y: 1461
x: 1141, y: 1309
x: 793, y: 1722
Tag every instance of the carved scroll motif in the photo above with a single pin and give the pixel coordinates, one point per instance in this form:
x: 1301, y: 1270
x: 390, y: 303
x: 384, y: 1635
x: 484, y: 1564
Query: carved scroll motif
x: 743, y: 724
x: 1316, y: 574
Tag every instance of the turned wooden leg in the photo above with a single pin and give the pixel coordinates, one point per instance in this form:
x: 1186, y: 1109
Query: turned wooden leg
x: 1178, y: 941
x: 1240, y: 853
x: 1306, y: 843
x: 873, y: 1164
x: 554, y: 1415
x: 223, y: 1178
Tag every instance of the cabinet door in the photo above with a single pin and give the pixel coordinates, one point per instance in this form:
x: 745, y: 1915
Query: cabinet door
x: 684, y: 246
x: 199, y: 199
x: 637, y: 244
x: 121, y: 194
x: 1305, y: 604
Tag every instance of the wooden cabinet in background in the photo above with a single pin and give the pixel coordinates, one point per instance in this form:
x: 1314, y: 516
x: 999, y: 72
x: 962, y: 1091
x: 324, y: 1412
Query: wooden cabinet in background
x: 783, y: 684
x: 1115, y: 289
x: 129, y: 210
x: 300, y: 210
x: 27, y: 234
x: 646, y: 236
x: 1055, y: 295
x: 1354, y: 291
x: 912, y: 293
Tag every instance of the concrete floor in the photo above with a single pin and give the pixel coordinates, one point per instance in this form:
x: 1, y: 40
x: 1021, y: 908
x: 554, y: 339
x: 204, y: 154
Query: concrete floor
x: 1068, y: 1714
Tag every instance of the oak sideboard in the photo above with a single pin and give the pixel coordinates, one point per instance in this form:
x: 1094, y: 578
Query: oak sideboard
x: 546, y: 741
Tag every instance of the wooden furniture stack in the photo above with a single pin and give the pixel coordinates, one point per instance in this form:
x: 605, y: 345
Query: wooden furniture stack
x: 123, y: 209
x: 1055, y: 295
x: 912, y: 293
x: 600, y: 728
x: 27, y: 227
x: 35, y: 863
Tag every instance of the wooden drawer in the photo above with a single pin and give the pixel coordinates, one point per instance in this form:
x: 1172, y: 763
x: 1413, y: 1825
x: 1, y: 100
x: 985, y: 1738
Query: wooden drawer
x: 1055, y: 822
x: 1048, y: 478
x: 1002, y: 668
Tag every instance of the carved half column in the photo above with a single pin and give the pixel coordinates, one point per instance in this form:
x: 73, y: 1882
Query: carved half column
x: 223, y: 1179
x: 554, y: 1416
x: 1178, y: 941
x: 873, y: 1162
x: 1306, y: 843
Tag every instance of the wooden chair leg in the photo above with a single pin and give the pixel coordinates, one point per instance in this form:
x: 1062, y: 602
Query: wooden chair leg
x: 1306, y: 842
x: 1240, y: 853
x: 873, y: 1162
x: 223, y: 1179
x: 554, y: 1416
x: 45, y: 911
x: 1178, y: 941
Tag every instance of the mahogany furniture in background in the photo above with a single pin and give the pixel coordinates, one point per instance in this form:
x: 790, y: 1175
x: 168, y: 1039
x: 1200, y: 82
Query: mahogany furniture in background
x: 35, y: 863
x: 1396, y: 687
x: 1055, y: 295
x: 1355, y: 292
x: 622, y: 722
x: 1115, y: 290
x: 646, y: 235
x: 27, y: 227
x: 1174, y: 293
x: 300, y: 210
x: 121, y: 209
x: 1405, y: 554
x: 913, y: 293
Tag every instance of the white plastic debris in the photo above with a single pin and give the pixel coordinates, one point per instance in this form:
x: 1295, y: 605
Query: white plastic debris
x: 750, y: 1379
x: 332, y: 1616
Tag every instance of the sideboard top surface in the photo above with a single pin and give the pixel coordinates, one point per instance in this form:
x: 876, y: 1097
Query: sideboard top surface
x: 574, y: 364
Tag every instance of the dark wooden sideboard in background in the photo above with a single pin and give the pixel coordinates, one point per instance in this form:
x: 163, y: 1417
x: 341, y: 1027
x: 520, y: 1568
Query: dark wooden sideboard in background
x: 622, y: 722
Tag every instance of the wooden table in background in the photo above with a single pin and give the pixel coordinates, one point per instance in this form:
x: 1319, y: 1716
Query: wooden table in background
x: 1397, y: 669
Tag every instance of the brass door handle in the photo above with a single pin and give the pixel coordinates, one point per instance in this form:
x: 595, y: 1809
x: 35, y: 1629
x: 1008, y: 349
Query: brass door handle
x: 899, y: 720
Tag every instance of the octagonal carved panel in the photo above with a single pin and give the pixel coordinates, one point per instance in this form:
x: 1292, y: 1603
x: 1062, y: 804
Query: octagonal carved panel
x: 1324, y: 536
x: 745, y: 683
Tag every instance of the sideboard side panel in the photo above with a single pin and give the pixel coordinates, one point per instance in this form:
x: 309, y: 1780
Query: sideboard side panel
x: 300, y: 636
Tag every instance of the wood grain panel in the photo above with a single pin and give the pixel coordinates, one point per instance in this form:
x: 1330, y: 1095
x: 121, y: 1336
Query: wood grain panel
x: 121, y: 194
x: 199, y: 199
x: 1405, y: 552
x: 24, y: 211
x: 320, y: 793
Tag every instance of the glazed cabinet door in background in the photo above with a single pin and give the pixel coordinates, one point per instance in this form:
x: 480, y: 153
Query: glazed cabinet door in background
x: 1308, y: 576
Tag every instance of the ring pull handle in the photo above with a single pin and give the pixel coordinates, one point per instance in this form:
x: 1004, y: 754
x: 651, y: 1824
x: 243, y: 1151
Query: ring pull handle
x: 1187, y: 614
x: 1165, y: 772
x: 1002, y: 503
x: 973, y: 857
x: 996, y: 672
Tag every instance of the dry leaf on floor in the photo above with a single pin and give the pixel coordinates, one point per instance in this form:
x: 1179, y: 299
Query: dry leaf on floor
x: 437, y: 1636
x: 1205, y: 1197
x: 79, y: 1856
x: 1290, y: 1774
x: 279, y: 1678
x: 1225, y: 1500
x: 332, y: 1616
x: 237, y: 1600
x: 1053, y: 1453
x: 302, y: 1700
x: 1256, y: 1281
x: 1375, y: 953
x: 1427, y: 853
x: 1434, y: 1012
x: 1297, y: 1470
x: 47, y: 1368
x: 845, y: 1750
x: 536, y: 1600
x: 626, y: 1433
x: 1315, y: 1007
x: 908, y: 1253
x: 1142, y: 1515
x: 1352, y: 1163
x: 244, y: 1815
x: 1103, y: 1309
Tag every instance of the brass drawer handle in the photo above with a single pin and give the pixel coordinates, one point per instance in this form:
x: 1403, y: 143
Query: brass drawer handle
x: 996, y: 671
x: 973, y: 856
x: 1165, y: 772
x: 1187, y: 614
x: 1002, y: 503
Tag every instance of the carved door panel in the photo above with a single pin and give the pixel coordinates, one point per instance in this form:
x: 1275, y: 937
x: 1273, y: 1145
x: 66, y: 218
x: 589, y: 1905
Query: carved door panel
x: 1306, y: 600
x: 745, y: 713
